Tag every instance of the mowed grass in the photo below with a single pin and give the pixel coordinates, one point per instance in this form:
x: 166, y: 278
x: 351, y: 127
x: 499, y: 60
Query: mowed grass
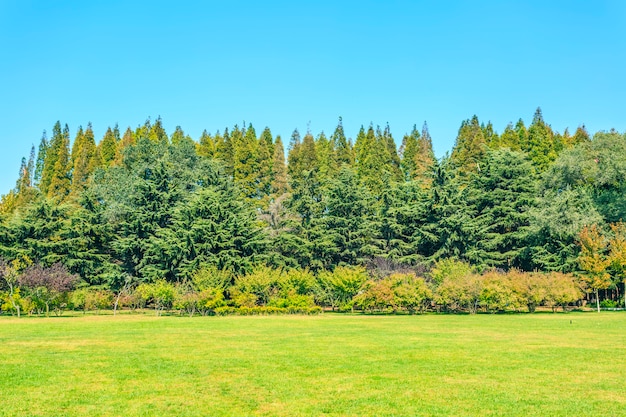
x: 433, y: 365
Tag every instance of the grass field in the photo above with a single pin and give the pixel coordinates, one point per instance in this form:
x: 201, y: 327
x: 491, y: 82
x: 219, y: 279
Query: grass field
x: 135, y: 365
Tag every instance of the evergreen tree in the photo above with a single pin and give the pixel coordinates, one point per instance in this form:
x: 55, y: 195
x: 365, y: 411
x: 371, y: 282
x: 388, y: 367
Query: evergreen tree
x: 344, y: 151
x: 541, y: 147
x: 500, y: 197
x: 60, y: 176
x: 82, y: 161
x: 326, y: 158
x: 348, y: 221
x: 127, y: 140
x: 294, y: 164
x: 108, y: 148
x: 206, y: 145
x: 408, y: 152
x: 279, y: 171
x: 265, y: 170
x: 470, y: 147
x: 157, y: 133
x: 224, y: 149
x: 246, y: 162
x: 509, y: 139
x: 424, y: 159
x: 51, y: 155
x: 392, y: 152
x: 41, y: 157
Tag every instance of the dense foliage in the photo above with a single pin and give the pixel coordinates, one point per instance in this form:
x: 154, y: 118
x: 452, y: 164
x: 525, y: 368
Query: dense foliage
x: 141, y: 215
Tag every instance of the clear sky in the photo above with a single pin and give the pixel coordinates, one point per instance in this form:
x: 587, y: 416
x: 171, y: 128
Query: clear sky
x: 293, y: 64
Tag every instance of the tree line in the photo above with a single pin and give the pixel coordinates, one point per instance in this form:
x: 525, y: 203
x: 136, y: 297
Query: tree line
x: 147, y: 207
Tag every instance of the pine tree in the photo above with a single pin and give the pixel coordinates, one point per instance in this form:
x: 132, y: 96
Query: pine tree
x: 157, y: 132
x: 108, y: 148
x: 372, y: 161
x: 408, y: 152
x: 294, y: 165
x: 509, y: 139
x: 470, y: 147
x: 279, y: 171
x: 266, y: 136
x: 41, y: 157
x: 424, y: 159
x: 264, y: 174
x: 60, y: 178
x: 206, y: 145
x: 308, y: 154
x: 392, y: 151
x: 224, y: 149
x: 82, y: 161
x: 541, y: 146
x: 326, y: 157
x: 127, y: 140
x: 344, y: 151
x: 246, y: 161
x: 178, y: 135
x: 50, y: 157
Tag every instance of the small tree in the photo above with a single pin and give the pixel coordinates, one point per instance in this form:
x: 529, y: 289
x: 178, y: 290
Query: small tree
x: 50, y: 285
x: 594, y: 261
x: 617, y: 253
x: 9, y: 272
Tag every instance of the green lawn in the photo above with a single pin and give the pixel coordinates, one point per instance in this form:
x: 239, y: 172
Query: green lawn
x: 136, y: 365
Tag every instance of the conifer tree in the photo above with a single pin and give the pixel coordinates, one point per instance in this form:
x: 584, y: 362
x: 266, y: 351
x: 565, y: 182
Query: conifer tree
x: 308, y: 154
x: 279, y: 171
x: 408, y: 152
x: 41, y: 157
x: 469, y: 148
x: 224, y: 149
x: 25, y: 192
x: 50, y: 157
x: 246, y: 161
x: 372, y: 161
x: 266, y: 136
x: 424, y: 159
x: 264, y: 174
x: 326, y: 157
x: 392, y: 151
x: 82, y: 161
x: 108, y: 148
x: 344, y: 151
x: 127, y: 140
x: 541, y: 146
x: 60, y: 177
x: 206, y: 145
x: 157, y: 132
x: 509, y: 139
x: 294, y: 165
x: 178, y: 135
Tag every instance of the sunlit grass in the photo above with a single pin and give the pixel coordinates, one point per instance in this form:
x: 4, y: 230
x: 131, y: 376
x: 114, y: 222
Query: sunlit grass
x: 433, y: 365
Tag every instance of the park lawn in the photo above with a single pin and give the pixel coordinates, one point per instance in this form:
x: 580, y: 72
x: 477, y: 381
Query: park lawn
x: 336, y: 365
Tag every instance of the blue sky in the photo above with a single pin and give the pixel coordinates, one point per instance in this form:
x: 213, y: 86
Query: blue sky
x: 209, y: 64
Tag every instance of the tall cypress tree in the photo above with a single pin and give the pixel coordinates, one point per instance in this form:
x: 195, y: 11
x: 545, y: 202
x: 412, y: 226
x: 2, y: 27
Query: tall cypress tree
x: 424, y: 159
x: 82, y: 161
x: 206, y: 145
x: 279, y: 170
x: 41, y: 157
x: 246, y: 161
x: 108, y: 148
x: 344, y: 151
x: 470, y: 147
x: 60, y: 179
x: 408, y: 152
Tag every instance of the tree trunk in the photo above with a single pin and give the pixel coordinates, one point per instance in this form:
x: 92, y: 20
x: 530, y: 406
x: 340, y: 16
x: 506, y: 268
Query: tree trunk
x: 598, y: 300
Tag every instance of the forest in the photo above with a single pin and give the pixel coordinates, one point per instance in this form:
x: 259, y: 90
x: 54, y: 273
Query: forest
x: 239, y: 222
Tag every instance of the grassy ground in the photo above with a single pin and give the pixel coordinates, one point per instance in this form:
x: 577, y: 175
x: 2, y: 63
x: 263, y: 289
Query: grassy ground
x: 434, y: 365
